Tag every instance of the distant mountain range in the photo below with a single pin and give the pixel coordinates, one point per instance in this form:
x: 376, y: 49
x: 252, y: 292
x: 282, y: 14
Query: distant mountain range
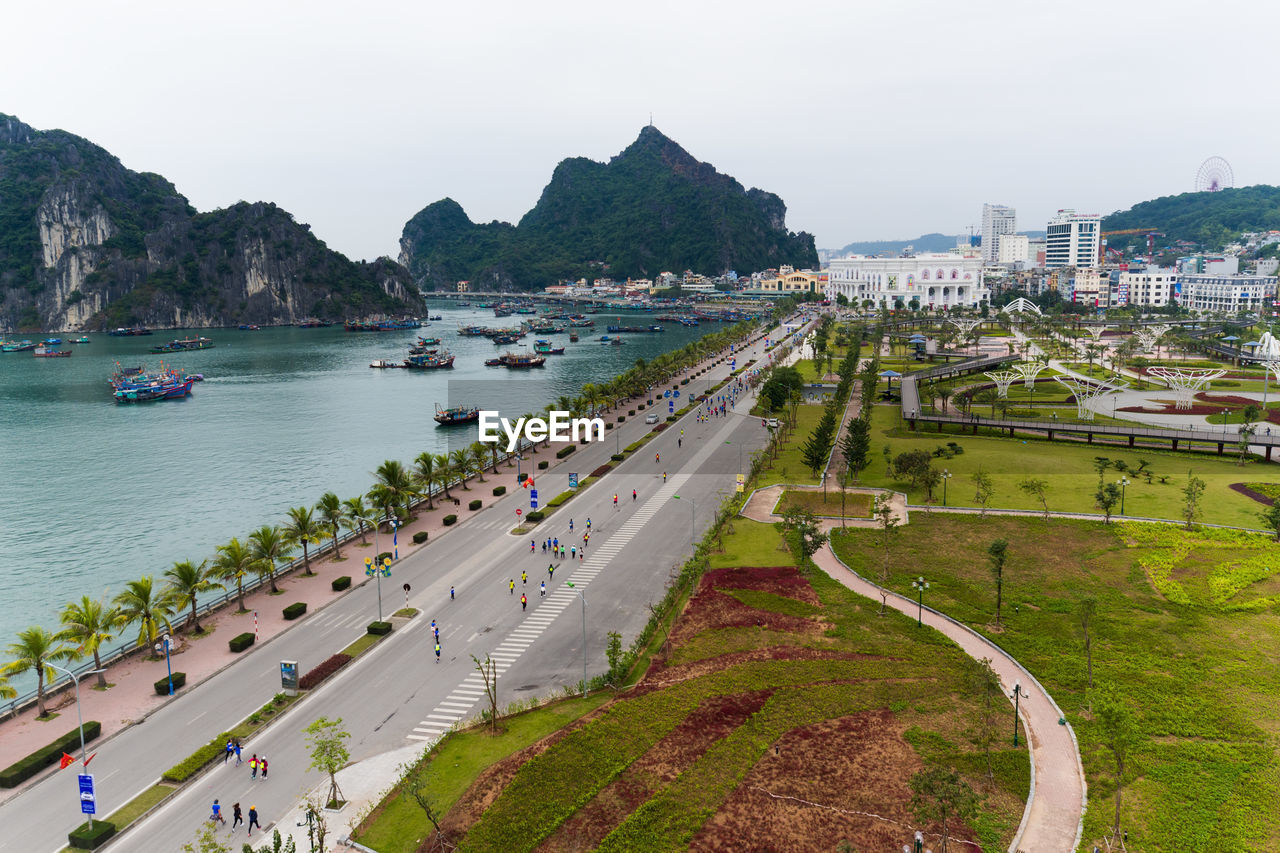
x: 87, y: 243
x: 650, y: 209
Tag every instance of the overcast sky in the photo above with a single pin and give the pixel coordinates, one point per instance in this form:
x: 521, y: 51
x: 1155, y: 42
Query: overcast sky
x: 871, y: 120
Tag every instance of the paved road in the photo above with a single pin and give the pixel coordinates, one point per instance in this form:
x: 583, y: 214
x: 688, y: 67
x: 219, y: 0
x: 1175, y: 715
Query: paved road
x: 398, y: 693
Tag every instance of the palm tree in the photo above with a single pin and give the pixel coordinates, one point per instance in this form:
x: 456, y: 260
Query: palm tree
x: 186, y: 581
x: 479, y: 454
x: 444, y: 465
x: 269, y: 544
x: 460, y: 460
x: 303, y: 529
x: 141, y: 602
x: 89, y: 624
x: 6, y: 690
x: 330, y: 509
x: 233, y: 562
x: 35, y: 649
x: 392, y: 475
x: 384, y: 500
x: 424, y: 475
x: 356, y: 516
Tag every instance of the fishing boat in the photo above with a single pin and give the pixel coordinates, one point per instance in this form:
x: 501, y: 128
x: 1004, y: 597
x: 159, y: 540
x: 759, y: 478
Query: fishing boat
x: 544, y: 347
x: 17, y: 346
x: 493, y: 362
x: 83, y: 339
x: 137, y: 385
x: 313, y: 323
x: 429, y: 362
x: 635, y: 329
x: 457, y: 415
x: 248, y: 327
x: 573, y: 337
x: 382, y: 363
x: 131, y: 332
x: 521, y: 360
x: 581, y: 322
x: 184, y: 344
x: 51, y: 341
x: 436, y: 317
x: 43, y: 351
x: 428, y: 342
x: 505, y: 339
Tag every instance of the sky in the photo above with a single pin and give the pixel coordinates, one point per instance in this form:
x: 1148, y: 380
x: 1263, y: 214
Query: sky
x: 879, y: 120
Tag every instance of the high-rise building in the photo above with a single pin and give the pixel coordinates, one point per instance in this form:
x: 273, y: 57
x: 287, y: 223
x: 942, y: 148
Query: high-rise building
x: 1073, y: 240
x: 996, y: 220
x: 1013, y: 248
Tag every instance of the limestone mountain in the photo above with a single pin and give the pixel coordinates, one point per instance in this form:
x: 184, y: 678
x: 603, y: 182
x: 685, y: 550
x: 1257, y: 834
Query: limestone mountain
x: 650, y: 209
x: 87, y: 243
x: 1208, y: 220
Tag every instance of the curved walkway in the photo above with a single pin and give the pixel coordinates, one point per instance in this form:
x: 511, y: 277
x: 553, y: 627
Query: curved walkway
x: 1052, y: 820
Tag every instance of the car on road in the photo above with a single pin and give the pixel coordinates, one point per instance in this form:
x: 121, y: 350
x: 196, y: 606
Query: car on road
x: 651, y: 418
x: 773, y: 423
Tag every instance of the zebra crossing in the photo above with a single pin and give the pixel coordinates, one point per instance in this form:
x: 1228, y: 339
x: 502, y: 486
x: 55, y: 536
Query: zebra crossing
x: 459, y: 704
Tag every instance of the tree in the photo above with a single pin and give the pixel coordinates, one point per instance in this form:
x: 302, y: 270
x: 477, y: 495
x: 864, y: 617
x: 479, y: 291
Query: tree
x: 489, y: 673
x: 613, y: 653
x: 998, y: 554
x: 914, y: 465
x: 303, y: 529
x: 186, y: 581
x: 479, y: 458
x: 888, y: 523
x: 327, y: 741
x: 269, y: 545
x: 89, y: 624
x: 1101, y: 464
x: 815, y: 449
x: 140, y: 602
x: 986, y: 684
x: 1107, y: 497
x: 939, y: 795
x: 277, y: 845
x: 332, y: 515
x: 425, y: 473
x: 1036, y: 488
x: 1120, y: 734
x: 1271, y: 517
x: 987, y: 396
x: 1086, y: 610
x: 803, y: 527
x: 7, y: 690
x: 983, y: 489
x: 392, y: 476
x: 460, y: 461
x: 35, y: 650
x: 416, y: 782
x: 207, y: 841
x: 1246, y: 433
x: 1191, y: 494
x: 1252, y: 412
x: 233, y: 562
x: 356, y: 516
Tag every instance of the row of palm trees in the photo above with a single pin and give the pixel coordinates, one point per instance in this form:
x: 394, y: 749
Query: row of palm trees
x: 150, y: 606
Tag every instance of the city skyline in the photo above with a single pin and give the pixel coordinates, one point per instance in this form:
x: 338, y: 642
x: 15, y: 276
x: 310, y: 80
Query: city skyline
x: 870, y: 123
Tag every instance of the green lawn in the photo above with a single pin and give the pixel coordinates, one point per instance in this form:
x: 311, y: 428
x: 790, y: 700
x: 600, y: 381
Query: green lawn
x: 1067, y: 467
x: 1201, y: 676
x: 752, y: 543
x: 855, y: 505
x: 789, y: 467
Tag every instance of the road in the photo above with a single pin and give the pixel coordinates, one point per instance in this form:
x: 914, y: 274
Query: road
x: 397, y: 693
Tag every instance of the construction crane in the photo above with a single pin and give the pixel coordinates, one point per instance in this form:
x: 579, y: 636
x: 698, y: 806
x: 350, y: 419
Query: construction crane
x: 1151, y: 235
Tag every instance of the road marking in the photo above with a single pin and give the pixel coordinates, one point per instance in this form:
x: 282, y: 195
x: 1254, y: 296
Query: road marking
x: 462, y: 705
x: 451, y: 717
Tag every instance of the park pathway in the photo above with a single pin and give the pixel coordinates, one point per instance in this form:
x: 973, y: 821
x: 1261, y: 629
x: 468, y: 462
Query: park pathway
x: 1052, y: 821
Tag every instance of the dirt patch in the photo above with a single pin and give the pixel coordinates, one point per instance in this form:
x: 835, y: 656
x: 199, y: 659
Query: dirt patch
x: 1244, y: 489
x: 779, y: 580
x: 711, y: 609
x: 714, y: 719
x: 838, y: 780
x: 660, y: 675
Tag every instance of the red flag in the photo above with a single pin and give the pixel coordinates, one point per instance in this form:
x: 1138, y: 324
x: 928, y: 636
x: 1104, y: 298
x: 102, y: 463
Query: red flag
x: 528, y: 482
x: 66, y: 761
x: 90, y: 758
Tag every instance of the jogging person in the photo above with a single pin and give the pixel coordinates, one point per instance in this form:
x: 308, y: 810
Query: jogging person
x: 633, y: 495
x: 253, y: 766
x: 512, y: 584
x: 237, y: 817
x: 551, y: 571
x: 231, y: 748
x: 437, y: 652
x: 217, y: 817
x: 656, y: 458
x: 615, y: 501
x: 253, y: 820
x: 588, y: 522
x: 571, y: 525
x: 664, y: 476
x: 262, y: 765
x: 524, y: 601
x: 573, y: 551
x: 524, y: 578
x: 531, y: 546
x: 543, y: 590
x: 451, y: 595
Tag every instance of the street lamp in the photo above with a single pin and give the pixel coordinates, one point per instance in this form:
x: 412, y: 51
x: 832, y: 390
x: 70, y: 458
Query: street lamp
x: 164, y: 643
x: 79, y: 717
x: 1224, y: 420
x: 1018, y: 692
x: 1123, y: 481
x: 371, y: 569
x: 946, y: 475
x: 693, y: 511
x: 582, y: 593
x: 919, y: 585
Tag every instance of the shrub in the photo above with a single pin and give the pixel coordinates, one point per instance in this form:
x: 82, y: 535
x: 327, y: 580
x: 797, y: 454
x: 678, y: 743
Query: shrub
x: 419, y: 537
x: 323, y: 670
x: 379, y: 628
x: 498, y: 491
x: 631, y: 413
x: 686, y: 381
x: 607, y: 426
x: 671, y: 419
x: 339, y: 584
x: 659, y: 428
x: 240, y: 642
x: 450, y: 520
x: 162, y: 686
x: 542, y: 465
x: 384, y: 555
x: 535, y: 516
x: 474, y: 505
x: 198, y: 760
x: 522, y: 477
x: 293, y: 611
x: 617, y: 457
x: 86, y: 837
x: 622, y: 419
x: 601, y: 471
x: 24, y: 768
x: 565, y: 451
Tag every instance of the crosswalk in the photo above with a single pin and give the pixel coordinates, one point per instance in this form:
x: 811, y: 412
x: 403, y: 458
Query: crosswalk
x: 462, y: 700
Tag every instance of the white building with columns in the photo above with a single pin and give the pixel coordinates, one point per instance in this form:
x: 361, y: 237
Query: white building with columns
x: 941, y: 280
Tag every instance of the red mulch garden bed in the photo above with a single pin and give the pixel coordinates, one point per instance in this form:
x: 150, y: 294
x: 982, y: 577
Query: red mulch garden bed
x: 779, y: 580
x: 711, y: 609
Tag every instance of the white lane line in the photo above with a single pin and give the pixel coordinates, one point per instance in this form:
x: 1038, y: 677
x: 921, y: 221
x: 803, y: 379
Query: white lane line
x: 449, y: 706
x: 421, y: 737
x: 450, y: 719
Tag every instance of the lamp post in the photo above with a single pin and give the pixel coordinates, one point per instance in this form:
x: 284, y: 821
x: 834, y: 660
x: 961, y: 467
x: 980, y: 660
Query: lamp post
x: 919, y: 585
x: 164, y: 645
x: 946, y: 475
x: 693, y: 511
x: 79, y: 717
x: 582, y: 593
x: 1123, y: 481
x: 371, y: 570
x: 1224, y: 420
x: 1018, y: 692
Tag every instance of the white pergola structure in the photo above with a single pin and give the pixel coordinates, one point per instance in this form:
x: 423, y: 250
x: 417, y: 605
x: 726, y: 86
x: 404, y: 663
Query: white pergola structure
x: 1097, y: 332
x: 1088, y: 390
x: 966, y: 325
x: 1185, y: 381
x: 1021, y: 305
x: 1150, y: 335
x: 1028, y: 370
x: 1003, y: 379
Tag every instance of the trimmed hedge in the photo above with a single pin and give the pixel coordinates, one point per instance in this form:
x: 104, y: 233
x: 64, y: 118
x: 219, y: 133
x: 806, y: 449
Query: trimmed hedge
x: 419, y: 537
x: 293, y: 611
x: 560, y: 498
x: 607, y: 428
x: 240, y: 642
x: 323, y: 670
x: 384, y: 555
x: 450, y: 520
x: 24, y: 768
x: 535, y: 516
x: 671, y: 419
x: 522, y: 477
x: 84, y: 837
x: 602, y: 470
x: 622, y: 419
x: 617, y: 457
x: 542, y: 466
x: 379, y: 628
x: 162, y: 686
x: 565, y: 451
x: 474, y: 505
x: 198, y: 760
x: 631, y: 412
x: 339, y: 584
x: 498, y: 491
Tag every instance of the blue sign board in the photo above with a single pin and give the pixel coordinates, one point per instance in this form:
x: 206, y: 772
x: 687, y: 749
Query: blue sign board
x: 533, y: 494
x: 533, y: 503
x: 573, y: 480
x: 666, y: 393
x: 87, y: 803
x: 671, y: 406
x: 675, y: 394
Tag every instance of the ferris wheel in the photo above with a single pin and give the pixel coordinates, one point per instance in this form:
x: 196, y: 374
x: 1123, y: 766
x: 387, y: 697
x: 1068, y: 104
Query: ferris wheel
x: 1214, y: 174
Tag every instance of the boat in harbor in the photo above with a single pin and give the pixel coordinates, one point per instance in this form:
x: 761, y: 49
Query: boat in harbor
x: 382, y: 363
x: 457, y: 415
x: 634, y: 329
x: 520, y: 360
x: 138, y: 385
x: 505, y: 339
x: 51, y: 341
x: 184, y: 344
x: 248, y: 327
x: 428, y: 342
x: 435, y: 361
x: 83, y: 339
x: 43, y: 351
x: 313, y: 323
x: 573, y: 337
x: 130, y: 332
x: 17, y: 346
x: 544, y: 347
x: 382, y: 325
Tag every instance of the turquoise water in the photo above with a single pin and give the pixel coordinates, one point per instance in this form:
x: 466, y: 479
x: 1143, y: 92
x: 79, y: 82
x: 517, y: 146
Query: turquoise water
x: 95, y: 493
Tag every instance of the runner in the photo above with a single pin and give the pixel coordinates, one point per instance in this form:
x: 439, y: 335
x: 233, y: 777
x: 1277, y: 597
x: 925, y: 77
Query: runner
x: 633, y: 495
x: 451, y: 596
x: 543, y: 590
x: 512, y: 584
x: 524, y: 601
x: 437, y: 653
x: 664, y: 476
x: 217, y: 817
x: 531, y: 546
x: 262, y: 765
x: 571, y: 525
x: 524, y: 578
x: 237, y: 817
x: 253, y: 766
x: 615, y: 501
x: 253, y: 820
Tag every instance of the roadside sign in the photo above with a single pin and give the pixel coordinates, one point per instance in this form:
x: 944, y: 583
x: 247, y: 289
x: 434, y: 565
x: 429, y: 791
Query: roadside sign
x: 675, y: 394
x: 573, y: 480
x: 533, y: 503
x: 671, y: 406
x: 289, y: 676
x: 666, y: 393
x: 533, y: 494
x: 519, y: 511
x: 88, y: 805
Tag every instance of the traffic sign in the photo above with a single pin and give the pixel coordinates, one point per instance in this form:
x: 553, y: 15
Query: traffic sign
x: 671, y: 405
x: 666, y: 393
x: 675, y: 394
x: 533, y: 503
x: 533, y: 494
x: 519, y: 511
x: 88, y: 804
x: 573, y: 480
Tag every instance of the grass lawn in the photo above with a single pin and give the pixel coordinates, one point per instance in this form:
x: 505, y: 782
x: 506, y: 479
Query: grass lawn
x: 789, y: 467
x: 400, y: 826
x: 1067, y: 467
x: 856, y: 504
x: 752, y: 543
x: 1200, y: 676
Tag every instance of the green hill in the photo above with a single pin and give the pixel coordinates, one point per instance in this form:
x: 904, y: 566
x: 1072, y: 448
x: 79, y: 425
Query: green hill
x: 652, y: 208
x: 1208, y: 219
